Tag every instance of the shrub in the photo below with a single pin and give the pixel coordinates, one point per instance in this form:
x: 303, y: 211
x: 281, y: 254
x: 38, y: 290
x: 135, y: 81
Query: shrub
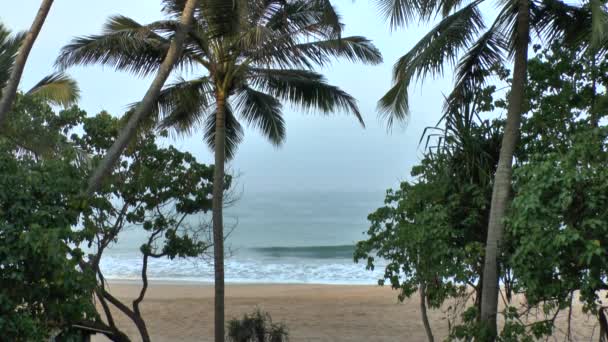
x: 256, y: 327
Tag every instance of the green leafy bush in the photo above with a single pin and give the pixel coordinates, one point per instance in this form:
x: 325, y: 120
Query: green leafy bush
x: 256, y: 327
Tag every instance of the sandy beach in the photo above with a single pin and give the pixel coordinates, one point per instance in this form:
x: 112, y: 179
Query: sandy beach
x: 184, y: 312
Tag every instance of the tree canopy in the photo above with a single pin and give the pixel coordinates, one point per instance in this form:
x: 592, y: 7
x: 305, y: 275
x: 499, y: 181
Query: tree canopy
x: 267, y: 55
x: 431, y: 231
x: 53, y: 239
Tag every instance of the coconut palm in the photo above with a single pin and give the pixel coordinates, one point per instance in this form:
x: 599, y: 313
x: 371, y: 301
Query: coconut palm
x: 260, y: 54
x: 463, y: 40
x: 56, y: 89
x: 17, y: 64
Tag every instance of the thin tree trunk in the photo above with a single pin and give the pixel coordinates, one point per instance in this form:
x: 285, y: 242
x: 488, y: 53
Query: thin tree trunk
x: 117, y: 335
x: 106, y: 310
x: 502, y: 179
x: 122, y: 307
x: 218, y: 224
x: 140, y: 323
x: 145, y: 106
x: 9, y: 92
x: 603, y: 326
x: 478, y: 292
x: 423, y: 312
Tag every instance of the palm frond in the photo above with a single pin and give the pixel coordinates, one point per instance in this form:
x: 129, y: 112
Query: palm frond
x: 305, y: 17
x: 261, y: 11
x: 447, y: 6
x: 262, y: 111
x: 394, y: 105
x: 585, y: 25
x: 197, y: 46
x: 254, y: 37
x: 399, y: 12
x: 58, y: 89
x: 183, y: 104
x: 330, y: 16
x: 282, y: 38
x: 120, y: 23
x: 554, y: 19
x: 429, y: 56
x: 305, y: 89
x: 9, y: 47
x: 474, y: 67
x: 506, y: 23
x: 124, y: 45
x: 441, y: 45
x: 234, y: 131
x: 317, y: 53
x: 355, y: 49
x: 221, y: 16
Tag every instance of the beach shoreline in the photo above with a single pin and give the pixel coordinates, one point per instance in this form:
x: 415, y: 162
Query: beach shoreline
x: 187, y: 282
x: 183, y: 311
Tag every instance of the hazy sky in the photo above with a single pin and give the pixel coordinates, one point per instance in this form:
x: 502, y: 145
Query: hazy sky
x: 321, y: 153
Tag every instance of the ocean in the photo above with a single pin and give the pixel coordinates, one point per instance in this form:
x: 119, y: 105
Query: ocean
x: 295, y: 237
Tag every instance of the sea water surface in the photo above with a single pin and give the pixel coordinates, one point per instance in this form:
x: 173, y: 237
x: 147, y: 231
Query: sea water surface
x: 276, y: 237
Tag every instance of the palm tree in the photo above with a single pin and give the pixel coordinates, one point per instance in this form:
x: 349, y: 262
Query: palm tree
x: 26, y: 43
x: 165, y: 58
x: 462, y: 28
x: 253, y: 55
x: 57, y: 89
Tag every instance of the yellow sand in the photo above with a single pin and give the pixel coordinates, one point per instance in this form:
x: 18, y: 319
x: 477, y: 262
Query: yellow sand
x: 184, y: 312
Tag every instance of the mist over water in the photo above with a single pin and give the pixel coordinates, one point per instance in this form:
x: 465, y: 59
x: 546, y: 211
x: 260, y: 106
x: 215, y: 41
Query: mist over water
x: 277, y: 237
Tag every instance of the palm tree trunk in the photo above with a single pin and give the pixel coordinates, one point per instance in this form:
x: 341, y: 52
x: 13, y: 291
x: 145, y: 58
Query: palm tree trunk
x: 423, y: 312
x: 594, y: 113
x: 145, y: 106
x: 9, y: 92
x: 502, y: 179
x: 217, y: 206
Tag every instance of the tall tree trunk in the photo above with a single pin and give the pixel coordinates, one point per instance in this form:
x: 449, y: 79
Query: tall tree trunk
x: 502, y: 180
x: 423, y: 312
x: 145, y: 106
x: 218, y: 224
x: 9, y: 92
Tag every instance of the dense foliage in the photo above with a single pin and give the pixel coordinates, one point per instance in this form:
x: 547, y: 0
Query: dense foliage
x: 558, y: 218
x: 431, y: 230
x: 52, y: 239
x: 41, y: 287
x: 446, y: 206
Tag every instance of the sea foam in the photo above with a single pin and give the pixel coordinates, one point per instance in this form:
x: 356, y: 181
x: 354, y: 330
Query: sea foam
x: 308, y: 265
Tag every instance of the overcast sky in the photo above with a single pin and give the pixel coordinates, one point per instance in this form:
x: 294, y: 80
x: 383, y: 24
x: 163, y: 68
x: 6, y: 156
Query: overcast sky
x: 321, y: 153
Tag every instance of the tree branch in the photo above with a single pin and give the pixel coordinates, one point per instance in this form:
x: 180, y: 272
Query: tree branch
x: 144, y: 288
x: 106, y: 309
